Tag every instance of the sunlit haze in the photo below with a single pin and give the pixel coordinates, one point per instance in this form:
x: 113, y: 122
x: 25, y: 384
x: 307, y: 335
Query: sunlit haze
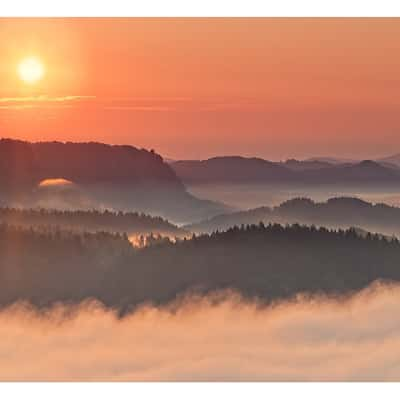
x: 194, y: 88
x: 31, y: 70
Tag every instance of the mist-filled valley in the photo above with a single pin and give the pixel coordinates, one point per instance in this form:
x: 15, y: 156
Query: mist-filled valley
x: 337, y: 212
x: 244, y: 182
x: 108, y: 273
x: 243, y: 196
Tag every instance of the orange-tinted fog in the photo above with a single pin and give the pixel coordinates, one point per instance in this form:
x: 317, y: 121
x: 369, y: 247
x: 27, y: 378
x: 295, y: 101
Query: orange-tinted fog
x: 314, y: 339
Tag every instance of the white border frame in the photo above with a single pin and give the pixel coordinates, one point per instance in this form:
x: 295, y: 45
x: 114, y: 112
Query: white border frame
x: 200, y: 8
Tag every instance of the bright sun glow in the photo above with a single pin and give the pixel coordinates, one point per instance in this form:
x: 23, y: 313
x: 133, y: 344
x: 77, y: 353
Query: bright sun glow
x: 31, y: 70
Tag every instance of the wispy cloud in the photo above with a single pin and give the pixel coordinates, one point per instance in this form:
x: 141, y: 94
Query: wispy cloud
x: 30, y: 106
x: 43, y: 99
x: 131, y: 104
x: 140, y: 108
x: 181, y: 104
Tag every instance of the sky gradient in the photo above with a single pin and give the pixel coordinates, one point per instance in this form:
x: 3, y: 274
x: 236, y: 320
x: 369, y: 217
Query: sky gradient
x: 194, y: 88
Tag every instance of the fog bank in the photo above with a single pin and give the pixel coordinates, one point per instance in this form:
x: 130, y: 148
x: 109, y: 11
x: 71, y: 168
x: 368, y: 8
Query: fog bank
x: 220, y: 337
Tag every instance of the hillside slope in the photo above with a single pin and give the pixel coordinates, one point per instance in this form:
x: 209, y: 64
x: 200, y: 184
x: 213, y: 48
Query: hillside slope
x: 100, y: 176
x: 90, y: 221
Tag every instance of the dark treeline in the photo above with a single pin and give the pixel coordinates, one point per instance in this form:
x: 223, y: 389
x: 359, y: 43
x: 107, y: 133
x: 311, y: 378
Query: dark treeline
x: 269, y: 262
x: 132, y: 223
x: 338, y: 212
x: 45, y: 265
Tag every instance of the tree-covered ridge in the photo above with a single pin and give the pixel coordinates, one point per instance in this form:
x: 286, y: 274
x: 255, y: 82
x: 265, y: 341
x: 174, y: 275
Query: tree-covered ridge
x: 335, y: 213
x: 119, y: 177
x: 268, y: 262
x: 133, y: 223
x: 24, y: 164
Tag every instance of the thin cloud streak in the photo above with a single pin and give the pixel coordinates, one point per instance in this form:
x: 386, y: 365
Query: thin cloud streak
x: 139, y: 108
x: 150, y: 104
x: 30, y: 106
x: 43, y: 98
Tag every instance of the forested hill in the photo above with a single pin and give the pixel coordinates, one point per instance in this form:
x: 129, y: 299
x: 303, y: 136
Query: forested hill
x: 267, y: 262
x: 132, y: 223
x: 337, y: 212
x: 24, y: 164
x: 118, y: 177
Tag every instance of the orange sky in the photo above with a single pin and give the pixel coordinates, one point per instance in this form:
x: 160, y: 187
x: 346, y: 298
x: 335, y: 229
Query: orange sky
x: 194, y: 88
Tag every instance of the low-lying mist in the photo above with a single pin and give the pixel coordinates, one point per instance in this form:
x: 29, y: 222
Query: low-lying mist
x: 245, y: 196
x: 218, y: 337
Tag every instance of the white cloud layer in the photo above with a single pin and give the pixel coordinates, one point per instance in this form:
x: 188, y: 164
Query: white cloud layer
x: 198, y: 339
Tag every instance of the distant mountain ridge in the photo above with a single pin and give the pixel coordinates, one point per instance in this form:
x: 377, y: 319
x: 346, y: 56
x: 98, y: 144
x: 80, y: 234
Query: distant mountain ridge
x: 340, y: 212
x: 231, y: 168
x: 235, y: 169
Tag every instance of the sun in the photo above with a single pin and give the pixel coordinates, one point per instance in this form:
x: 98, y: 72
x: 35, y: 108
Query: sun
x: 31, y: 70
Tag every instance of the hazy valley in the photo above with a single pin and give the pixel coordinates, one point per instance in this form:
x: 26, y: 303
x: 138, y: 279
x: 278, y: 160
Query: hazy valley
x: 92, y: 234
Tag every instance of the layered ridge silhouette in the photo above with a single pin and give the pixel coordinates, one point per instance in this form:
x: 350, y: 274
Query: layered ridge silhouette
x: 338, y: 212
x: 236, y: 169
